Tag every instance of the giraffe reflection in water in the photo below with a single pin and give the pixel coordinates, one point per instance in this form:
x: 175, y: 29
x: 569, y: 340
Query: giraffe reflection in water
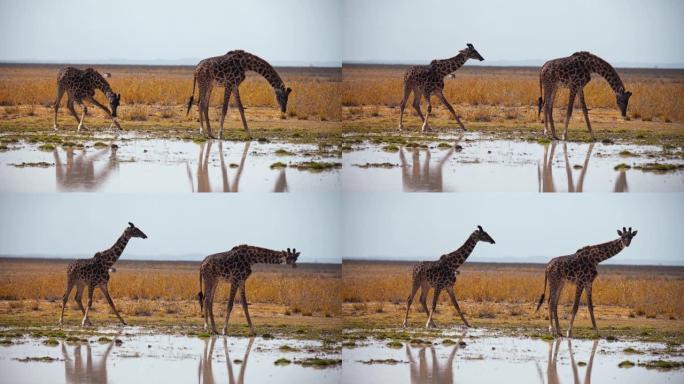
x: 552, y: 371
x: 76, y: 370
x: 424, y: 370
x: 204, y: 181
x: 206, y: 373
x: 78, y: 173
x: 426, y: 177
x: 545, y: 170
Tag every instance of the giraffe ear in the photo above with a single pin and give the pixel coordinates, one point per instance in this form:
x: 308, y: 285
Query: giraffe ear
x: 634, y: 233
x: 619, y: 232
x: 470, y: 46
x: 480, y: 228
x: 131, y: 225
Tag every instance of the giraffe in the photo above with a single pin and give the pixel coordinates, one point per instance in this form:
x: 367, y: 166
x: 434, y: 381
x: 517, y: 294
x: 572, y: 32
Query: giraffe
x: 235, y: 266
x: 428, y: 176
x: 229, y: 71
x: 427, y: 80
x: 88, y: 370
x: 545, y: 180
x: 80, y: 86
x: 574, y: 72
x: 203, y: 179
x: 206, y: 371
x: 441, y: 274
x: 580, y: 269
x: 435, y: 371
x: 78, y: 172
x: 94, y: 273
x: 552, y: 370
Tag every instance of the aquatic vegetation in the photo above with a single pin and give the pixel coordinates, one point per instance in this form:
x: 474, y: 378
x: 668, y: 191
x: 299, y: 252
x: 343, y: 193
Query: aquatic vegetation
x: 381, y: 361
x: 282, y: 361
x: 395, y: 344
x: 317, y: 362
x: 390, y: 148
x: 278, y: 165
x: 626, y: 364
x: 659, y: 167
x: 662, y: 365
x: 316, y: 166
x: 376, y: 165
x: 39, y: 164
x: 46, y: 147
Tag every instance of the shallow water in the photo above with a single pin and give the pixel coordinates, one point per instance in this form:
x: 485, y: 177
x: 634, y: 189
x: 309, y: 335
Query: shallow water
x: 489, y: 165
x: 163, y: 359
x: 168, y: 165
x: 503, y: 359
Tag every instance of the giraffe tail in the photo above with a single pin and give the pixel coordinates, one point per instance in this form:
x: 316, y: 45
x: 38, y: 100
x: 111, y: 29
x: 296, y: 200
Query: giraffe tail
x: 200, y: 295
x: 541, y: 299
x: 192, y: 96
x: 540, y: 101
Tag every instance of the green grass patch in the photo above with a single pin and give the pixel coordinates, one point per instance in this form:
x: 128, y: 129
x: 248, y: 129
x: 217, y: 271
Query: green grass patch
x: 381, y: 361
x: 46, y: 147
x: 316, y: 166
x: 626, y: 364
x: 51, y: 342
x: 622, y: 167
x: 662, y: 365
x: 287, y: 348
x: 39, y: 164
x: 282, y: 361
x: 376, y: 165
x: 278, y: 165
x: 659, y: 167
x: 283, y: 152
x: 632, y: 351
x: 395, y: 344
x: 390, y: 148
x: 627, y: 153
x: 444, y: 145
x: 41, y: 359
x: 100, y: 144
x: 317, y: 362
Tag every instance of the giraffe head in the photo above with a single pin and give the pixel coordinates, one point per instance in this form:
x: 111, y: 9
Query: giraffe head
x: 471, y: 53
x: 281, y: 97
x: 114, y: 99
x: 626, y: 235
x: 481, y: 235
x: 290, y: 257
x: 133, y: 231
x: 622, y: 99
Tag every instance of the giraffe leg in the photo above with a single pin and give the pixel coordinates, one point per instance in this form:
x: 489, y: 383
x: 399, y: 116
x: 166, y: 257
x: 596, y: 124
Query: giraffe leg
x: 205, y: 109
x: 571, y: 105
x: 555, y: 309
x: 409, y: 301
x: 105, y: 291
x: 434, y: 305
x: 444, y: 101
x: 86, y: 320
x: 241, y: 109
x: 224, y: 110
x: 70, y: 107
x: 207, y: 302
x: 416, y: 104
x: 106, y: 110
x: 80, y: 122
x: 426, y: 126
x: 575, y: 306
x: 210, y: 308
x: 65, y: 298
x: 402, y: 105
x: 549, y: 112
x: 452, y: 295
x: 585, y: 112
x: 243, y: 298
x: 423, y: 302
x: 590, y: 304
x: 231, y: 301
x: 55, y: 106
x: 553, y: 293
x: 79, y: 297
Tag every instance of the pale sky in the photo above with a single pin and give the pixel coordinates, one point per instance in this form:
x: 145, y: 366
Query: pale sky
x: 526, y: 226
x: 284, y: 32
x: 187, y: 226
x: 620, y: 31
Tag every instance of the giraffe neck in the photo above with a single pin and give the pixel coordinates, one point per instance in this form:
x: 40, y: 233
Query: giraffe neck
x: 601, y: 67
x: 456, y: 258
x: 101, y: 84
x: 260, y: 66
x: 605, y: 251
x: 265, y: 256
x: 446, y: 66
x: 110, y: 256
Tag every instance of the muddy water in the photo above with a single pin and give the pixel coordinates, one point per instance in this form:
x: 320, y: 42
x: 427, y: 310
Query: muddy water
x: 483, y: 359
x: 154, y: 165
x: 164, y: 359
x: 479, y: 163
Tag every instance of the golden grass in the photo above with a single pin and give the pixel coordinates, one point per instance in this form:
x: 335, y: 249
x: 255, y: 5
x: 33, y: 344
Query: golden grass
x: 644, y: 291
x: 314, y: 97
x: 657, y: 95
x: 308, y: 289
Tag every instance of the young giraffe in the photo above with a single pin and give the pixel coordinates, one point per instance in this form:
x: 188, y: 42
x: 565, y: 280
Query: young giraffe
x: 235, y: 266
x: 574, y: 72
x: 428, y: 80
x: 580, y: 269
x: 94, y: 273
x: 441, y: 274
x: 80, y: 86
x: 229, y: 71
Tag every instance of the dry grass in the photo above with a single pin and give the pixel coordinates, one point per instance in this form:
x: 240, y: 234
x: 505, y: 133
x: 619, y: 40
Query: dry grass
x: 644, y: 291
x: 309, y: 289
x: 315, y: 94
x: 658, y: 94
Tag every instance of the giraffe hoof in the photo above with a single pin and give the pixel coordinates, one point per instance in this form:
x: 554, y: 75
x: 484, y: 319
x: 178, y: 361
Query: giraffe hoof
x: 401, y: 127
x: 569, y: 334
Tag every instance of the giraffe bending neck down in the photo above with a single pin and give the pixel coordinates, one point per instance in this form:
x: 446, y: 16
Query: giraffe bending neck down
x: 441, y: 275
x: 229, y: 71
x: 580, y: 269
x: 574, y: 72
x: 427, y: 80
x: 94, y: 273
x: 80, y: 86
x: 235, y: 266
